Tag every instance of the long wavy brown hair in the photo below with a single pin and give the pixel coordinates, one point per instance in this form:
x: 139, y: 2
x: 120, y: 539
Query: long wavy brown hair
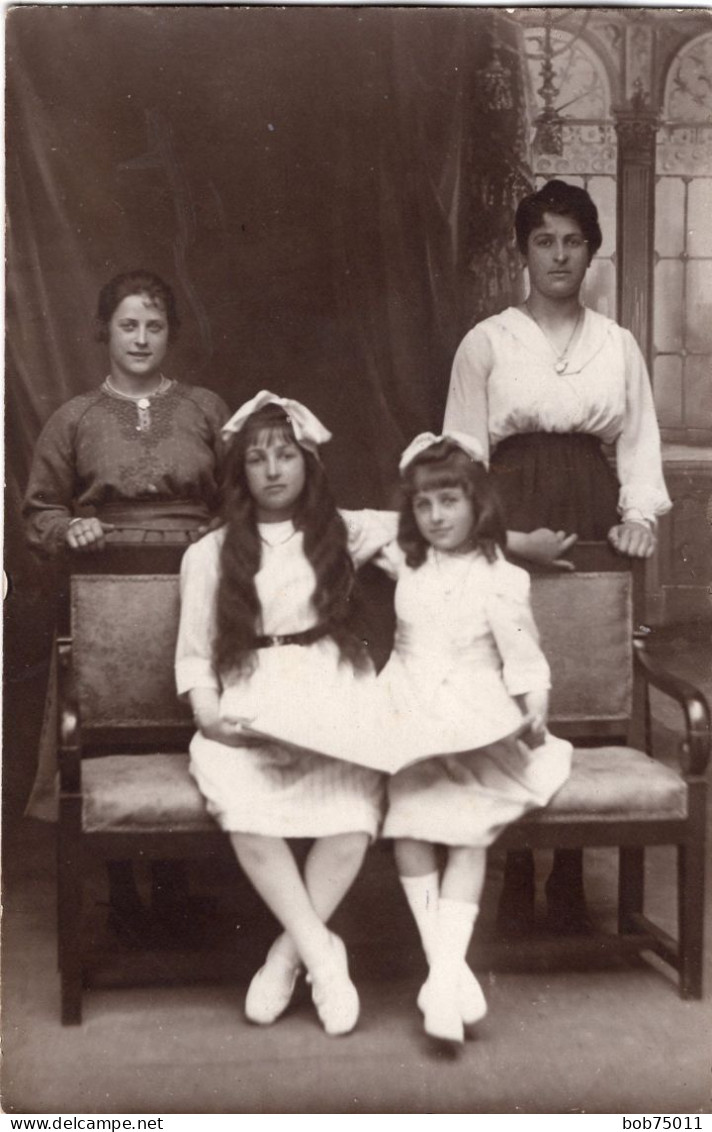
x: 442, y: 465
x: 238, y: 612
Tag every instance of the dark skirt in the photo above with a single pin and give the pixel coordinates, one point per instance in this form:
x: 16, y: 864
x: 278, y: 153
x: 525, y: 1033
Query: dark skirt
x: 558, y: 480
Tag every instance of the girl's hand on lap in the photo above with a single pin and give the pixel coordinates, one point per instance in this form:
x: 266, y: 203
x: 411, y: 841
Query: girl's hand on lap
x: 229, y: 734
x: 542, y: 546
x: 205, y: 703
x: 632, y: 538
x: 456, y: 769
x: 246, y: 737
x: 535, y: 705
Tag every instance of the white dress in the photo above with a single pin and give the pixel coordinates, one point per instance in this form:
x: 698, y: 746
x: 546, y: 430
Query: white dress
x: 503, y: 384
x: 273, y: 789
x: 466, y: 643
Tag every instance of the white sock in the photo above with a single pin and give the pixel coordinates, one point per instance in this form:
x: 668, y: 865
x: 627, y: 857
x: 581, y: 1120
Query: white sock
x: 422, y: 894
x: 455, y: 921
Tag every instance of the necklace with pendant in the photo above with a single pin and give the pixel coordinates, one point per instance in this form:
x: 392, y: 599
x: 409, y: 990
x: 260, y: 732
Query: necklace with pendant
x: 452, y: 577
x: 142, y: 401
x: 277, y: 541
x: 561, y: 359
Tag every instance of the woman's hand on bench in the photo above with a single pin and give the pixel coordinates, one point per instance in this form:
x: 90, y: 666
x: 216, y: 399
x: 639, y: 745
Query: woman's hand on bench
x: 87, y: 534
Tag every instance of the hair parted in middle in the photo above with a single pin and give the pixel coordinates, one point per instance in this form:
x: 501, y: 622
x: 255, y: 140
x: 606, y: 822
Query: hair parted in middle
x: 445, y: 465
x: 325, y: 546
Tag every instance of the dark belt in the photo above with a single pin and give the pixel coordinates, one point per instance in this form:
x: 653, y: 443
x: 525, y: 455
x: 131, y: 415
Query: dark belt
x: 306, y: 638
x: 155, y: 515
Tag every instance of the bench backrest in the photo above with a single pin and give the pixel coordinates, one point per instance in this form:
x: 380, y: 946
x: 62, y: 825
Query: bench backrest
x: 586, y: 621
x: 124, y: 623
x: 122, y: 611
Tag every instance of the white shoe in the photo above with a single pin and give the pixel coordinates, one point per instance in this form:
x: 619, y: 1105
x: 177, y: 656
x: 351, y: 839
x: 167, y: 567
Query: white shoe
x: 271, y: 989
x: 470, y: 997
x: 473, y: 1005
x: 333, y: 993
x: 439, y: 1001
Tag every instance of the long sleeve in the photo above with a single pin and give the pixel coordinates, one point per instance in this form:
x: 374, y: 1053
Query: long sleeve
x: 216, y: 413
x: 369, y: 531
x: 467, y: 402
x: 198, y: 590
x: 47, y: 507
x: 390, y: 559
x: 91, y: 453
x: 525, y: 668
x: 639, y: 461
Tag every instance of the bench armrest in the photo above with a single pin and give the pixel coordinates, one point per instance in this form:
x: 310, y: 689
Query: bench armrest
x: 696, y: 747
x: 68, y: 737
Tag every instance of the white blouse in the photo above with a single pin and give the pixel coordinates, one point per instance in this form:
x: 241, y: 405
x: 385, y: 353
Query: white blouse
x: 503, y: 383
x: 459, y: 610
x: 285, y: 586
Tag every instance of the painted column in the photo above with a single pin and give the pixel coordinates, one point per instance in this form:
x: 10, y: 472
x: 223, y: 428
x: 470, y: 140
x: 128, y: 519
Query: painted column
x: 636, y: 128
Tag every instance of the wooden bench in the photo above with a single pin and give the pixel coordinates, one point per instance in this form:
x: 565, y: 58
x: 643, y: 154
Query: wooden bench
x: 126, y: 792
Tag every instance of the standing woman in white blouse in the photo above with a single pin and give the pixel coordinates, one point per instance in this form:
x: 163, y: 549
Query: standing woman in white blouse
x: 543, y: 386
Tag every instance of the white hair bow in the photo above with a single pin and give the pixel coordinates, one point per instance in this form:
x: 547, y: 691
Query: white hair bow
x: 425, y: 440
x: 308, y: 430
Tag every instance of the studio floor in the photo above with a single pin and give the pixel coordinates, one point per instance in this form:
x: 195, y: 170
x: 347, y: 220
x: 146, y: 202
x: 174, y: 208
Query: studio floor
x: 600, y: 1036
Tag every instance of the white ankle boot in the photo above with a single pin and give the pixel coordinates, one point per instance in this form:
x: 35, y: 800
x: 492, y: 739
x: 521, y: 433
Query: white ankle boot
x: 473, y: 1004
x: 470, y: 997
x: 334, y: 995
x: 439, y: 1001
x: 450, y: 999
x: 271, y: 989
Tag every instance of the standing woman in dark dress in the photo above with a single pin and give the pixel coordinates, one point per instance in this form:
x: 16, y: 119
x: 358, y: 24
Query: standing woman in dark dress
x: 542, y: 386
x: 136, y: 460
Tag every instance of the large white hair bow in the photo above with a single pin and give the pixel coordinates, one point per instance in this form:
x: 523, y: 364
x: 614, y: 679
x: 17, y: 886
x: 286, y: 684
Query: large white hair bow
x: 308, y: 430
x: 425, y: 440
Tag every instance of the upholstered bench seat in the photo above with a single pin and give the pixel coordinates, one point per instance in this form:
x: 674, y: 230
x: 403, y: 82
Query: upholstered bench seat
x: 116, y: 693
x: 142, y: 793
x: 122, y: 793
x: 616, y: 783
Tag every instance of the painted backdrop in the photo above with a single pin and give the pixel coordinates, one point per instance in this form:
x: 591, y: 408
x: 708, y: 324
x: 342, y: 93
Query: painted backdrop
x: 329, y: 190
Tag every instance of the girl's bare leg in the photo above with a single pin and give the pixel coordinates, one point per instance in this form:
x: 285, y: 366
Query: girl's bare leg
x: 331, y: 867
x: 464, y: 875
x: 414, y: 858
x: 270, y: 865
x: 273, y: 870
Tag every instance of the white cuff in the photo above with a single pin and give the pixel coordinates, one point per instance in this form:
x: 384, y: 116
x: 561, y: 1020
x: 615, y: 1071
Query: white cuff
x: 195, y: 672
x: 632, y: 515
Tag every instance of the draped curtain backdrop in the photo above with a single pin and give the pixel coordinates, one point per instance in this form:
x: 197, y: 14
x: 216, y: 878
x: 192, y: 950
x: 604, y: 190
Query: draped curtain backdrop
x: 303, y: 176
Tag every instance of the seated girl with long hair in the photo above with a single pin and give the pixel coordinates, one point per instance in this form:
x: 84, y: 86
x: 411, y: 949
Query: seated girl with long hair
x: 265, y: 614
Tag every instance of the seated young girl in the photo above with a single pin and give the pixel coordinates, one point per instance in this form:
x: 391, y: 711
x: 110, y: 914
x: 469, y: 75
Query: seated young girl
x: 467, y: 675
x: 264, y: 617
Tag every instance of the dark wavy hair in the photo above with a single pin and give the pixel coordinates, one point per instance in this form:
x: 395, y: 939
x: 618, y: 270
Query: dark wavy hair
x: 135, y: 283
x: 325, y: 545
x: 444, y: 465
x: 562, y: 199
